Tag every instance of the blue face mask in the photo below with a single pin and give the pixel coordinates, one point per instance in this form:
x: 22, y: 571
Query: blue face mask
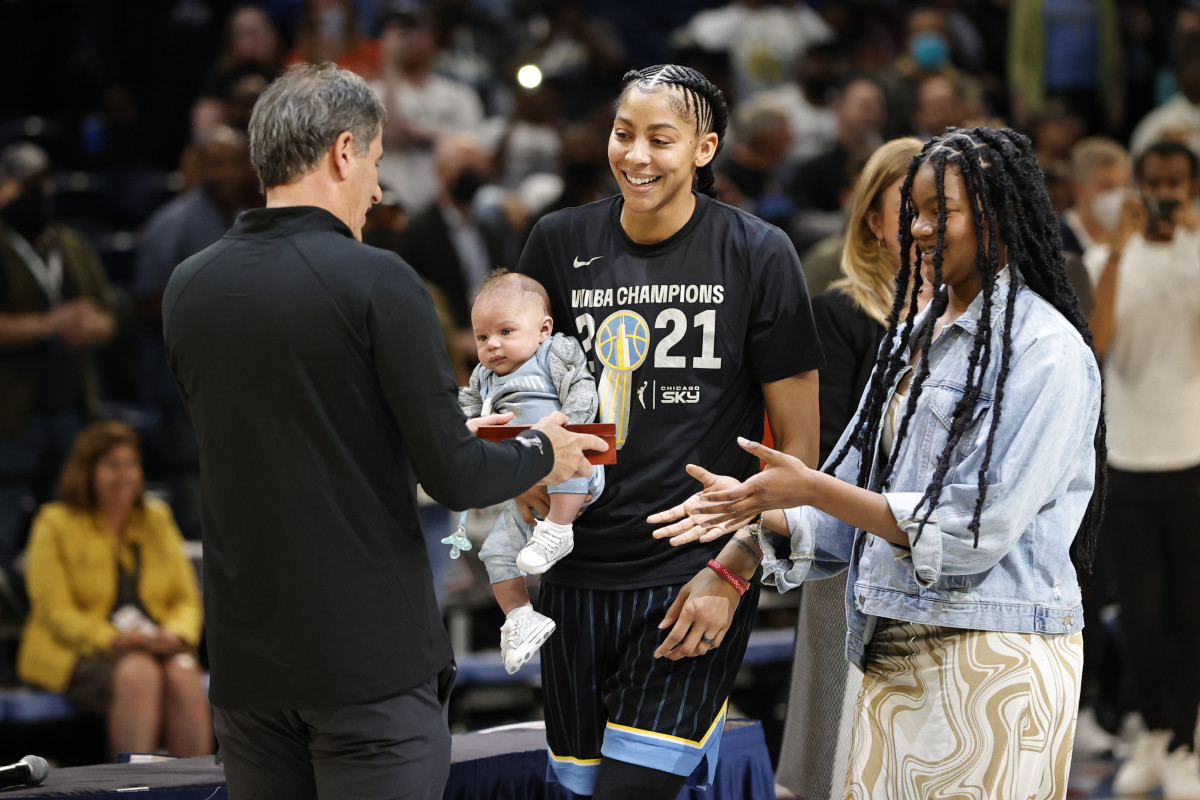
x: 930, y: 51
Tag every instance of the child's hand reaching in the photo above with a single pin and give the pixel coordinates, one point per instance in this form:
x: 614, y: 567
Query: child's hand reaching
x: 491, y: 419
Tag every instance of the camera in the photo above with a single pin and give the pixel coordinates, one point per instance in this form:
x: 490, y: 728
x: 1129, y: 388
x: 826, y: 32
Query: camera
x: 1160, y: 209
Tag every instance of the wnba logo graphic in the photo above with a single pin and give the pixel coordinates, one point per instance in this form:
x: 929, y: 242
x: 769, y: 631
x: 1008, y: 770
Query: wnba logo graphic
x: 622, y: 343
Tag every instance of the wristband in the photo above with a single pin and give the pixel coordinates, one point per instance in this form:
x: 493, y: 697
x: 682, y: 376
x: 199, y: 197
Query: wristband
x: 740, y: 584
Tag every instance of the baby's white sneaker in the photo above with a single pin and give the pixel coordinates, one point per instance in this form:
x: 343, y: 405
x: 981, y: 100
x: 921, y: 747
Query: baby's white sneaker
x: 1181, y: 775
x: 523, y: 632
x: 549, y: 544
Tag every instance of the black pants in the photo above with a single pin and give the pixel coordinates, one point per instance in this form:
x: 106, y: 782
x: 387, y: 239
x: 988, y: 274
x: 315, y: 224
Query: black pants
x: 1152, y: 528
x: 393, y: 748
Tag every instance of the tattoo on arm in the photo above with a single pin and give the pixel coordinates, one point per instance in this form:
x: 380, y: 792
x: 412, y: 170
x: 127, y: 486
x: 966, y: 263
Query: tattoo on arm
x: 743, y: 543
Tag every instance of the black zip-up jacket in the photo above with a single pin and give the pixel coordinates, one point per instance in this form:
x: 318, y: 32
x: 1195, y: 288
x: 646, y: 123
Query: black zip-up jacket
x: 315, y: 375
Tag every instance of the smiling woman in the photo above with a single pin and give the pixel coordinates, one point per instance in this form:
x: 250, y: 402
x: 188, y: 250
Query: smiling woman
x: 961, y: 496
x: 114, y: 609
x: 695, y: 316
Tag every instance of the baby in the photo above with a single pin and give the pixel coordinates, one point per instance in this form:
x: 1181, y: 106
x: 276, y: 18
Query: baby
x: 526, y: 368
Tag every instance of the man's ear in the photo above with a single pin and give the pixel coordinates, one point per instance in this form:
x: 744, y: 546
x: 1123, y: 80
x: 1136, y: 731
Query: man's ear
x: 343, y: 151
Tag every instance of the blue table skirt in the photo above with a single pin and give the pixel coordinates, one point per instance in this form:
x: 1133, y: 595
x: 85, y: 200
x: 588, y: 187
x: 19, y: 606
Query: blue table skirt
x: 507, y: 763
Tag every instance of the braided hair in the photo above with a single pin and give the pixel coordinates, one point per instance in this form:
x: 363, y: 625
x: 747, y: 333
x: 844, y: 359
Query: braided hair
x: 697, y: 99
x: 1009, y: 205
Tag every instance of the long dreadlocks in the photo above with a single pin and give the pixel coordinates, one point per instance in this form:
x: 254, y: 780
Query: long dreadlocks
x: 1009, y: 205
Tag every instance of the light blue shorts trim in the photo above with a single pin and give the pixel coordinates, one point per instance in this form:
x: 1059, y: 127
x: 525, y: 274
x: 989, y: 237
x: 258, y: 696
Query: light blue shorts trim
x: 658, y: 751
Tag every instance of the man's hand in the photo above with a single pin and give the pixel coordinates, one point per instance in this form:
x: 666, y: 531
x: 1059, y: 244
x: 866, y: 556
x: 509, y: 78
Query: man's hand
x: 1187, y: 216
x: 702, y: 611
x: 569, y: 458
x: 81, y: 324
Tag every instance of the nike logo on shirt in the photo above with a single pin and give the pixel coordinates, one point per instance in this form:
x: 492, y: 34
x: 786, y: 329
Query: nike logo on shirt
x: 579, y: 263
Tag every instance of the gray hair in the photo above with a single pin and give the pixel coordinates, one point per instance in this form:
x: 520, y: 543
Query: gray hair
x: 302, y: 113
x: 757, y: 117
x: 22, y: 160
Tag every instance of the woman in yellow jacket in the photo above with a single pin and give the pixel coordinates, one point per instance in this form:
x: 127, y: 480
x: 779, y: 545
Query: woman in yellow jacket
x: 114, y: 612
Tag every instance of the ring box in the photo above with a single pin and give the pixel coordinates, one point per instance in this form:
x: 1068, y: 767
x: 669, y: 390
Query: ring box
x: 605, y: 430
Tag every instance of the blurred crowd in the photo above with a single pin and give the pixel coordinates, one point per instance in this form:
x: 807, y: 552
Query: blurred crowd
x: 123, y: 150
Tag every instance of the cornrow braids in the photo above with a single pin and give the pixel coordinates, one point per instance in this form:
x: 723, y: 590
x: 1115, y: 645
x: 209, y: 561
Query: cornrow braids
x: 697, y: 99
x: 1008, y: 201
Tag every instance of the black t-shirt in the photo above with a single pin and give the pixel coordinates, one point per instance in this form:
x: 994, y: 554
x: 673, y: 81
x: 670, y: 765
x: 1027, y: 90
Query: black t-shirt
x: 680, y: 335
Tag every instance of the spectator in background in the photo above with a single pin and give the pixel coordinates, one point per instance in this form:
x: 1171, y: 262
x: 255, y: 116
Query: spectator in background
x: 765, y: 40
x: 445, y: 242
x: 530, y: 140
x: 1058, y: 185
x: 114, y: 611
x: 806, y: 100
x: 473, y: 44
x: 328, y: 32
x: 1146, y: 320
x: 184, y: 226
x: 422, y: 106
x: 1100, y: 178
x: 1055, y: 131
x: 751, y: 176
x: 819, y: 185
x: 1179, y: 118
x: 250, y: 40
x: 926, y: 54
x: 851, y: 320
x: 56, y: 306
x: 1070, y: 49
x: 582, y: 54
x: 585, y: 178
x: 939, y: 106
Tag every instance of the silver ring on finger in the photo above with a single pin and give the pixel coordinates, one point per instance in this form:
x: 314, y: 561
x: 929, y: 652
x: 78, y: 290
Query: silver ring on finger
x: 708, y: 641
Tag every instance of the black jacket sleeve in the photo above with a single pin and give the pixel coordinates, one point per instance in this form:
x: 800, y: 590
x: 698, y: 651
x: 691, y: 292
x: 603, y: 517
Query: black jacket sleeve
x: 455, y: 468
x: 850, y: 339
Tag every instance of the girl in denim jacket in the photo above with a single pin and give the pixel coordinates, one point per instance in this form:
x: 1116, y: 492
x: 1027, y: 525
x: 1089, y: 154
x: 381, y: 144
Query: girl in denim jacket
x: 961, y: 498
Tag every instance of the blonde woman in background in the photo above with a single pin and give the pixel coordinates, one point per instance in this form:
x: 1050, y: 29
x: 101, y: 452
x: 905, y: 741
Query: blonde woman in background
x: 114, y: 611
x: 851, y: 318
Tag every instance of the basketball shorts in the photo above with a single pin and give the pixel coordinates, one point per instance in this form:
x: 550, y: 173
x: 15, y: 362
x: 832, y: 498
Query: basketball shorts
x: 606, y: 695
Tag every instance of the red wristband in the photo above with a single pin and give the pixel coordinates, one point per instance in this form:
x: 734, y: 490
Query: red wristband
x: 725, y: 572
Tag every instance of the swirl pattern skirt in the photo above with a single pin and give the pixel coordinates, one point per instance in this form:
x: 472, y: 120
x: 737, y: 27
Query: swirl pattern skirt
x: 953, y: 713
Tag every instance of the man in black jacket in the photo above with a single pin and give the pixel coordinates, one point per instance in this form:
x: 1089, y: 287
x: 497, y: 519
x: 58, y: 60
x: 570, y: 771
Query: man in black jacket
x: 314, y: 372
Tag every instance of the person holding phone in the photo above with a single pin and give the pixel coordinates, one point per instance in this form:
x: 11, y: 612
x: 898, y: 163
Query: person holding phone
x: 1147, y: 330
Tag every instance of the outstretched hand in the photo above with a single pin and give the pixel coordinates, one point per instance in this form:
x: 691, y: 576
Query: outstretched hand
x: 782, y: 483
x: 724, y: 504
x: 689, y: 524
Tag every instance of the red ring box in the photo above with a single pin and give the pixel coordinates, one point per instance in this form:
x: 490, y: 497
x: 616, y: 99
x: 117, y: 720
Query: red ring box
x: 605, y: 430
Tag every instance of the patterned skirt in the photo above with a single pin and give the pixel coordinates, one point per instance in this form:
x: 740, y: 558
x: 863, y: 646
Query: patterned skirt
x: 952, y: 713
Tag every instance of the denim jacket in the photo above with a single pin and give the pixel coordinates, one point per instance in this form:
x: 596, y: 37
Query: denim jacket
x: 1040, y: 478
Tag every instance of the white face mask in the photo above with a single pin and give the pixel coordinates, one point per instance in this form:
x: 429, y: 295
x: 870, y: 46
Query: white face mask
x: 1106, y: 208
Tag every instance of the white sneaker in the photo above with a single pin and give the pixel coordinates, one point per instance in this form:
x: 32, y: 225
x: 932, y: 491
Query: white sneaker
x: 523, y: 632
x: 1181, y: 775
x: 549, y: 544
x: 1142, y: 772
x: 1091, y: 740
